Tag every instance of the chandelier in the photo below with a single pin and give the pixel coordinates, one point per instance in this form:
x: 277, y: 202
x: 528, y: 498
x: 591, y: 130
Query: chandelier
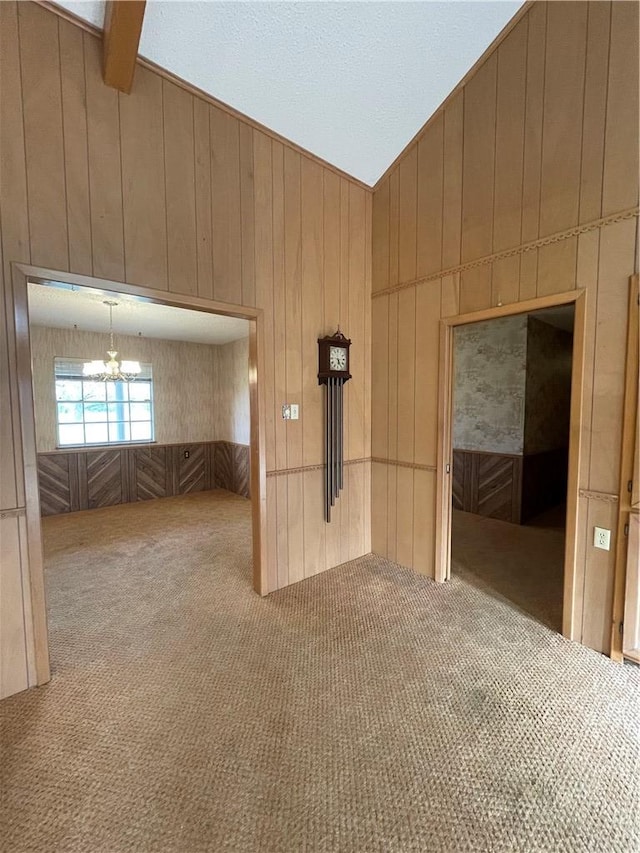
x: 111, y: 370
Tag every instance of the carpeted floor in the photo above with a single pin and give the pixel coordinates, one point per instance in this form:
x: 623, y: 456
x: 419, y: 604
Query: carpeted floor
x: 366, y: 709
x: 523, y: 563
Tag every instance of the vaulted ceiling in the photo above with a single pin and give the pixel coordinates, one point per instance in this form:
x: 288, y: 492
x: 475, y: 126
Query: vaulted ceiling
x: 352, y: 82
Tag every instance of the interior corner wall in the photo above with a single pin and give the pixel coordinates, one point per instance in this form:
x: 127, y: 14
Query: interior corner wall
x: 160, y: 188
x: 524, y: 185
x: 232, y: 415
x: 184, y: 373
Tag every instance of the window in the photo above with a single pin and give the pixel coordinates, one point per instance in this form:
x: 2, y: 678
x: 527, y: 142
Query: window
x: 96, y: 412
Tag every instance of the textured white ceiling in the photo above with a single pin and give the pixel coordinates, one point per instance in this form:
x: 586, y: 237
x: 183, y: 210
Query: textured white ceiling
x: 351, y: 82
x: 63, y: 307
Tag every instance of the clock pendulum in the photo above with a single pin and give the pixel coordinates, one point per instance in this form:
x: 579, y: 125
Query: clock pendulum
x: 333, y: 372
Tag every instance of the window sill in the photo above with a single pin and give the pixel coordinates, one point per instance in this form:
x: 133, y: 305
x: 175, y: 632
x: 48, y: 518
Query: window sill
x: 141, y: 443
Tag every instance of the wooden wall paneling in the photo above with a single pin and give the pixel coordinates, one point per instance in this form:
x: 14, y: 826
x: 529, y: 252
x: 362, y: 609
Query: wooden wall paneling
x: 406, y: 375
x: 279, y: 309
x: 379, y: 498
x: 295, y: 514
x: 54, y: 483
x: 380, y: 377
x: 430, y: 154
x: 583, y: 544
x: 475, y: 289
x: 14, y: 246
x: 598, y: 583
x: 557, y: 267
x: 345, y: 306
x: 587, y: 278
x: 312, y: 312
x: 204, y: 233
x: 562, y: 119
x: 105, y: 172
x: 225, y: 192
x: 380, y: 238
x: 595, y: 110
x: 180, y: 188
x: 191, y: 471
x: 359, y: 307
x: 293, y: 291
x: 620, y: 183
x: 394, y: 227
x: 282, y: 532
x: 355, y: 485
x: 143, y: 181
x: 247, y: 225
x: 392, y: 442
x: 263, y: 214
x: 632, y: 592
x: 450, y: 295
x: 404, y: 521
x: 104, y: 478
x: 14, y: 675
x: 532, y: 162
x: 427, y: 322
x: 423, y: 521
x: 616, y: 260
x: 478, y: 161
x: 43, y: 135
x: 509, y: 144
x: 272, y: 534
x: 452, y: 182
x: 314, y: 524
x: 76, y: 156
x: 407, y: 215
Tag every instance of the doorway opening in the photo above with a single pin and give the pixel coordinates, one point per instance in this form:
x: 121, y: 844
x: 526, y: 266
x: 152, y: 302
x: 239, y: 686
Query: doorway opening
x: 511, y: 410
x: 509, y: 452
x: 143, y: 491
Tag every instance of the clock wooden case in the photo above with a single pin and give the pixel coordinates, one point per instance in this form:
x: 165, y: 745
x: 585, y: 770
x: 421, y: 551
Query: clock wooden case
x: 333, y: 358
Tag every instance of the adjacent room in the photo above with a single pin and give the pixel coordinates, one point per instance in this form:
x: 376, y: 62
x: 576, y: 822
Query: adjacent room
x: 142, y: 420
x: 511, y: 412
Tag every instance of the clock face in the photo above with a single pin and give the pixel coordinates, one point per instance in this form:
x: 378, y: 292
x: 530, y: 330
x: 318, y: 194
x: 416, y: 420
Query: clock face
x: 337, y: 358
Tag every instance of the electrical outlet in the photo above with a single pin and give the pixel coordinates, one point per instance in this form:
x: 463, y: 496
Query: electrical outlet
x: 290, y: 412
x: 186, y: 454
x: 602, y: 538
x: 295, y: 411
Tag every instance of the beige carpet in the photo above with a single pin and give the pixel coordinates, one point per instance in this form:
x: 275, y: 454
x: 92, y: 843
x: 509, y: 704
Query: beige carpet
x: 523, y: 563
x: 367, y: 709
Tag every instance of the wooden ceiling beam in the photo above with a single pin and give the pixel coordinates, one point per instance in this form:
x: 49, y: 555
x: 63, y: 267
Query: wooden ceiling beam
x: 122, y: 29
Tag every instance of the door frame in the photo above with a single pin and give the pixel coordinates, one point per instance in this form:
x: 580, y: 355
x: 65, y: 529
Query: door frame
x: 573, y: 593
x: 22, y: 274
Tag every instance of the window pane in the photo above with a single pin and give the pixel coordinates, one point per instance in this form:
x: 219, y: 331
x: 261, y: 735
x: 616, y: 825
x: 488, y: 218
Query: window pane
x: 140, y: 431
x: 96, y: 433
x: 68, y: 389
x: 95, y: 411
x: 118, y: 411
x: 117, y: 391
x: 140, y: 411
x: 69, y: 413
x: 71, y: 434
x: 119, y: 432
x: 94, y: 390
x: 139, y: 390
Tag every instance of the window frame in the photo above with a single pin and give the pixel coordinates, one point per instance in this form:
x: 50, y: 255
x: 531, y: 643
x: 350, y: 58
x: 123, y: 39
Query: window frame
x: 77, y: 376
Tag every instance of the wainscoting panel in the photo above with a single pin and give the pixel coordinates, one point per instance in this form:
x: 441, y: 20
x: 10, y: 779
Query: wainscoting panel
x: 86, y: 479
x: 488, y: 484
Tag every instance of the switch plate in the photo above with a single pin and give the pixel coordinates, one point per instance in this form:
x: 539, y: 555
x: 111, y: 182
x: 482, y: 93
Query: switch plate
x: 602, y: 538
x: 290, y: 412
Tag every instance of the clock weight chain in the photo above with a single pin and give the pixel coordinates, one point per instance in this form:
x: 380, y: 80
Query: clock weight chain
x: 333, y: 372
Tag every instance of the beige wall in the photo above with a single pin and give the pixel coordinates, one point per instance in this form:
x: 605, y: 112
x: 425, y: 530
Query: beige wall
x: 162, y: 189
x: 543, y: 138
x: 231, y: 392
x: 187, y: 395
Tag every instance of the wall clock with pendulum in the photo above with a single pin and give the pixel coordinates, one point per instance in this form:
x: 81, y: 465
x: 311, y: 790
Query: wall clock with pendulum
x: 333, y: 372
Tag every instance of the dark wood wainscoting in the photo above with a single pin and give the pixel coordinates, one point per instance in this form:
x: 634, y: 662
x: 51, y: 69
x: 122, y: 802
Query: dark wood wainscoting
x: 511, y: 488
x: 87, y: 478
x: 487, y: 484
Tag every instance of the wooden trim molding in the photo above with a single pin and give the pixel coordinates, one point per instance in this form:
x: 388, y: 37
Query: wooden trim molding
x: 397, y: 464
x: 122, y: 31
x: 281, y: 472
x: 598, y: 496
x: 557, y: 237
x: 13, y: 513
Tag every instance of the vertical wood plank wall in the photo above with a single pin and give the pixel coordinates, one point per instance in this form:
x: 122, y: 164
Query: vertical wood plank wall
x: 542, y: 139
x: 162, y: 189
